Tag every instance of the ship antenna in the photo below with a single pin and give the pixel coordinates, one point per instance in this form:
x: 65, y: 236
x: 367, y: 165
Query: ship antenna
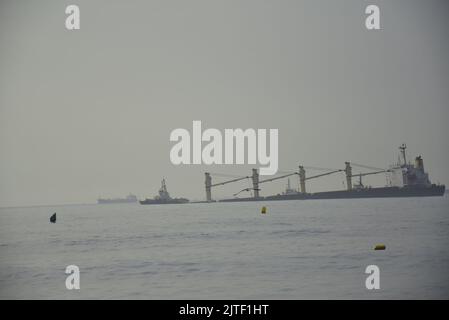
x: 402, y: 148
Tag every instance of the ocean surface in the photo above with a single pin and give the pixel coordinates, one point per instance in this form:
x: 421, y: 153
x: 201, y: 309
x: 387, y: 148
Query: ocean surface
x: 315, y: 249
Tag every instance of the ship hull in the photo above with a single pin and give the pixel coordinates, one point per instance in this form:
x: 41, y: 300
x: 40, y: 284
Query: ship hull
x: 384, y: 192
x: 160, y: 201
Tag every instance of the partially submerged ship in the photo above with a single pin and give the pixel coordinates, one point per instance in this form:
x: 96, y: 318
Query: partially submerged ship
x: 405, y: 180
x: 129, y: 199
x: 164, y: 197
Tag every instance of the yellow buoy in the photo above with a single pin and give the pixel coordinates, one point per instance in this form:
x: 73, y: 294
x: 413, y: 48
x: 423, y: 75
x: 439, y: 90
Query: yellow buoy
x: 264, y: 210
x: 380, y: 247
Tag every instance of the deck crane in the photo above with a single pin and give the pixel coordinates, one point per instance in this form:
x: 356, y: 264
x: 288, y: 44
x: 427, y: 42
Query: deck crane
x: 324, y: 174
x: 349, y: 175
x: 256, y: 182
x: 303, y: 178
x: 277, y: 178
x: 367, y: 167
x: 246, y: 189
x: 360, y: 175
x: 209, y: 184
x: 300, y: 173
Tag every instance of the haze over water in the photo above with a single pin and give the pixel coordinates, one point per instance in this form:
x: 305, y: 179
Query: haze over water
x: 89, y: 113
x: 299, y: 249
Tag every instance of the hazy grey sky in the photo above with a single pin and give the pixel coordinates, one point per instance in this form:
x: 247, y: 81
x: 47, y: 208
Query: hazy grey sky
x: 89, y: 112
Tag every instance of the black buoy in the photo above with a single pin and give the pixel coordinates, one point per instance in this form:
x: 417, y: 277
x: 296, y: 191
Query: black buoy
x: 53, y: 218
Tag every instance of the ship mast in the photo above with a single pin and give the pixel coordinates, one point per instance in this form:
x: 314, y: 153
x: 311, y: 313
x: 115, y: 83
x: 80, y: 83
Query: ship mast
x: 163, y: 193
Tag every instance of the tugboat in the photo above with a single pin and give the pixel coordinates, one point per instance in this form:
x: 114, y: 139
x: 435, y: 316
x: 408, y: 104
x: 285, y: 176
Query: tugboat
x: 164, y: 197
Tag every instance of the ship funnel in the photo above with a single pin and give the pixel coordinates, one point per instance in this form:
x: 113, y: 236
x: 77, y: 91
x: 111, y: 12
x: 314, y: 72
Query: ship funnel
x: 419, y: 164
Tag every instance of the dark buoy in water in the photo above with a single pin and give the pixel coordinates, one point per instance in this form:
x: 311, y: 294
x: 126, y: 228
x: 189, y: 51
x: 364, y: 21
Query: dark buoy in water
x: 53, y: 218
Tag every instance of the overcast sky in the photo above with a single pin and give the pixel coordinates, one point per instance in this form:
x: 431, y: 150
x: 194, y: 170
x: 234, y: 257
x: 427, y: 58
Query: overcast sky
x: 88, y: 113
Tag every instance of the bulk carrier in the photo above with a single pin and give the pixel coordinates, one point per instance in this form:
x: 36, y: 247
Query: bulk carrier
x: 404, y: 180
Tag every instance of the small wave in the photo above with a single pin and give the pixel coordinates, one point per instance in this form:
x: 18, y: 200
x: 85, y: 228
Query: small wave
x: 299, y: 232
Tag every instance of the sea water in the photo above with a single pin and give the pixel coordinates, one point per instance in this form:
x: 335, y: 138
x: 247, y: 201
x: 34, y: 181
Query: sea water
x: 313, y: 249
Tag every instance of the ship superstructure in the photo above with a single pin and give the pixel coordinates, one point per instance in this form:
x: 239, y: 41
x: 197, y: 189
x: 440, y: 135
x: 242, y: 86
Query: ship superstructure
x: 406, y: 174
